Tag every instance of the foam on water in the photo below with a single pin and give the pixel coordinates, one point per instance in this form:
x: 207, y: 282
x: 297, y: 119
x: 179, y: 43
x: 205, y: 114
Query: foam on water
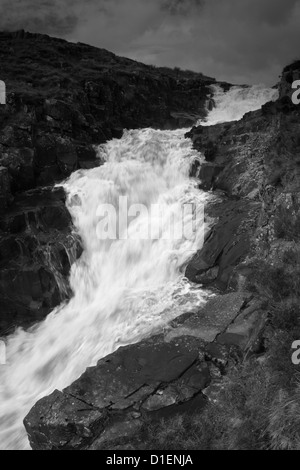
x: 238, y: 101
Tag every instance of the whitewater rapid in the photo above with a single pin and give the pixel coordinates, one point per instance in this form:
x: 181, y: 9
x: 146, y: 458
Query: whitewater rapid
x: 238, y: 101
x: 124, y: 289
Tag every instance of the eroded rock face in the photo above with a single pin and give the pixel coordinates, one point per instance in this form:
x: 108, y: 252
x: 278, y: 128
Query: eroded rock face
x: 157, y: 377
x: 251, y: 163
x: 249, y: 155
x: 227, y: 244
x: 133, y: 381
x: 37, y: 248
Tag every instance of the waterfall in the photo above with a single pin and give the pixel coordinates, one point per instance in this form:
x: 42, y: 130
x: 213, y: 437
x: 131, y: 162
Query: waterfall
x: 238, y: 101
x: 124, y: 287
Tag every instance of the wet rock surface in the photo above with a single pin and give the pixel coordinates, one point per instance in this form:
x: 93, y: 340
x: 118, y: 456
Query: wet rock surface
x: 160, y: 376
x: 251, y: 164
x: 227, y: 243
x: 37, y: 248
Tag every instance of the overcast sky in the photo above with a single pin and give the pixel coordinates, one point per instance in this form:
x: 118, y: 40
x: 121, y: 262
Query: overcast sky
x: 241, y: 41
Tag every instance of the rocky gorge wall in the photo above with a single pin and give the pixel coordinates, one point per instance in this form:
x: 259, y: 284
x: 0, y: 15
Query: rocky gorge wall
x: 62, y: 101
x: 252, y: 166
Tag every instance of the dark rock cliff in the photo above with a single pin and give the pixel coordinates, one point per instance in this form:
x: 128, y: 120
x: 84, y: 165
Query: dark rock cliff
x: 253, y: 165
x: 37, y: 249
x: 62, y: 100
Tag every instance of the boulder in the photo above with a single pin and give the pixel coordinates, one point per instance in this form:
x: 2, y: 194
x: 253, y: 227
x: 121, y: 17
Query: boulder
x: 245, y: 331
x: 227, y: 243
x: 212, y: 319
x: 111, y: 400
x: 157, y: 378
x: 208, y: 174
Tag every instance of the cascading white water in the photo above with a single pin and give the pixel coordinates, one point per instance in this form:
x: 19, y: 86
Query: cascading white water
x: 238, y: 101
x: 123, y: 289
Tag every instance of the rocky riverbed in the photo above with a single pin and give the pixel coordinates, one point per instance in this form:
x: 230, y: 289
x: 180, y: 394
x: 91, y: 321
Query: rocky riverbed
x: 172, y: 372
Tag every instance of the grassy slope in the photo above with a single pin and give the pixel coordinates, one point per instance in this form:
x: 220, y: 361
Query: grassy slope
x: 259, y: 407
x: 53, y: 65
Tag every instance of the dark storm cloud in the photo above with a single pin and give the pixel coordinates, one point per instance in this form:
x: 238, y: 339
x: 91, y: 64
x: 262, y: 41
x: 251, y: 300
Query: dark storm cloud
x: 47, y: 16
x: 181, y: 7
x: 35, y: 16
x: 235, y: 40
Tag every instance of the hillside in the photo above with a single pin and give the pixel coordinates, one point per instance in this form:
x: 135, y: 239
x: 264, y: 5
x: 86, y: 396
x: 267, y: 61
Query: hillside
x: 62, y: 98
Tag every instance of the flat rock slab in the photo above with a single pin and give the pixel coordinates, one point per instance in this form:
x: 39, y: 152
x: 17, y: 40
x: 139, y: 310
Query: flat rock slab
x: 213, y: 319
x: 245, y: 331
x: 111, y: 401
x: 146, y: 376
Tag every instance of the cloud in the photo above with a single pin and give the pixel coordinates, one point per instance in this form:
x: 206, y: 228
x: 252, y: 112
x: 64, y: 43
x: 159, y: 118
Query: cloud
x: 181, y: 7
x: 235, y: 40
x: 46, y: 16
